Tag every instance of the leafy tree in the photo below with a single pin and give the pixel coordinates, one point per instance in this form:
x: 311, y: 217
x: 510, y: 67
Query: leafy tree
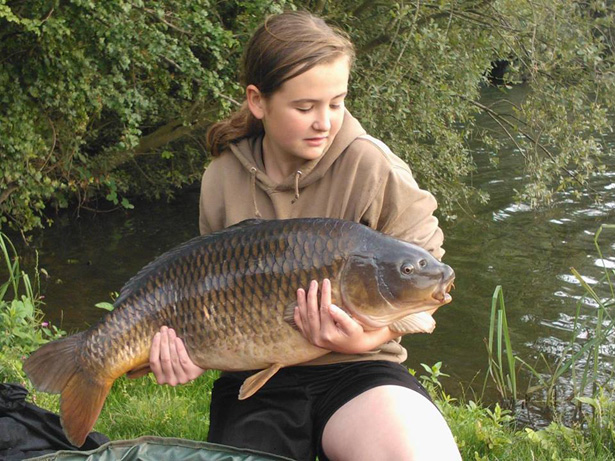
x: 422, y: 65
x: 103, y: 101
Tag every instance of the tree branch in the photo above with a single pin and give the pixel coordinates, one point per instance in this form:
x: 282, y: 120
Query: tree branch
x: 319, y: 6
x: 501, y: 121
x: 363, y: 7
x: 387, y: 37
x: 6, y: 193
x: 165, y: 134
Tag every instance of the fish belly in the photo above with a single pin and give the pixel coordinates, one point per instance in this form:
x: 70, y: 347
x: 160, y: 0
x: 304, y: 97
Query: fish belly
x: 254, y: 355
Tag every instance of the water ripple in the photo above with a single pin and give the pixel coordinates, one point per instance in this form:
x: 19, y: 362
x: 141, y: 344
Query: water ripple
x: 574, y: 281
x: 608, y: 263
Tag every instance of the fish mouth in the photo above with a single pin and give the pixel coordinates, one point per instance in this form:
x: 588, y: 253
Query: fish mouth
x: 439, y: 297
x: 442, y: 293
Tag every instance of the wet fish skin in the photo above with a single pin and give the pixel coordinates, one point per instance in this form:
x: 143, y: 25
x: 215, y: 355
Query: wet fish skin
x: 230, y: 296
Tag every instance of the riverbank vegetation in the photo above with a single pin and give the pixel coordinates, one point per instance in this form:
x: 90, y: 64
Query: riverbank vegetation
x: 483, y: 431
x: 102, y: 102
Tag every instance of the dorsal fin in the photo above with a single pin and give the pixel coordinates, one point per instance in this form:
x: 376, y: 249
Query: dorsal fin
x: 244, y: 223
x: 178, y: 252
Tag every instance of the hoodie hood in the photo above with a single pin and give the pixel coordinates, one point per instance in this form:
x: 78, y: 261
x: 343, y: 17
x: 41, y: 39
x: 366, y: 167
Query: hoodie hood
x: 249, y: 152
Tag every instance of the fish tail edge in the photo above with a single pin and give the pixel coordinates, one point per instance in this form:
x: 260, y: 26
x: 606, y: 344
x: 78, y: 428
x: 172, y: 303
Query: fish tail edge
x: 55, y: 368
x: 80, y: 405
x: 51, y: 366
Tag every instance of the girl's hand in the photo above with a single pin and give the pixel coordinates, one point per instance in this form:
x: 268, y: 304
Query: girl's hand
x: 331, y: 328
x: 170, y: 361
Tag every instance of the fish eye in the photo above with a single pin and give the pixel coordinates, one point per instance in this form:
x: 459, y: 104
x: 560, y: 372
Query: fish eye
x: 407, y: 269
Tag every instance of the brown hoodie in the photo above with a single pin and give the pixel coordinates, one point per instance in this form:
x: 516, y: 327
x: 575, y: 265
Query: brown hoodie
x: 358, y: 179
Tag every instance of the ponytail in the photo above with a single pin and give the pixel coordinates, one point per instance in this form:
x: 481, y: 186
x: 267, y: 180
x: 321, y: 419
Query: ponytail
x: 241, y: 124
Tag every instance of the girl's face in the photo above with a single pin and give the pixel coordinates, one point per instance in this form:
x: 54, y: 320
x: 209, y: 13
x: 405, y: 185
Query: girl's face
x: 302, y: 118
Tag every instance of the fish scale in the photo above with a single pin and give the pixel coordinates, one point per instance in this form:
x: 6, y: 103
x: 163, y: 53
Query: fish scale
x: 231, y: 296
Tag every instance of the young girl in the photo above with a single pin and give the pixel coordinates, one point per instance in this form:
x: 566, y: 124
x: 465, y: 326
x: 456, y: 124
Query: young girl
x: 293, y: 150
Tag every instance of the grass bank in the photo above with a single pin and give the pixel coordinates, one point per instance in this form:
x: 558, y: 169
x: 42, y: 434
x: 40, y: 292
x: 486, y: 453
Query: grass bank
x: 141, y: 407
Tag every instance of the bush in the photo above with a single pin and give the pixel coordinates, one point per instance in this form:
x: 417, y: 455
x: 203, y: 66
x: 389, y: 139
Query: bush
x: 22, y: 328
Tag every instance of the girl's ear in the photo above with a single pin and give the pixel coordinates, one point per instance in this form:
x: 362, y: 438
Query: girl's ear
x: 256, y: 101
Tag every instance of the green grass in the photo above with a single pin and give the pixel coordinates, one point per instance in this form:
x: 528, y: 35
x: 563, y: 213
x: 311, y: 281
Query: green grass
x: 484, y: 433
x: 142, y: 407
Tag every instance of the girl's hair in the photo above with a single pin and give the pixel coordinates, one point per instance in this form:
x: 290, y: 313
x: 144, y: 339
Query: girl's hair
x: 283, y: 47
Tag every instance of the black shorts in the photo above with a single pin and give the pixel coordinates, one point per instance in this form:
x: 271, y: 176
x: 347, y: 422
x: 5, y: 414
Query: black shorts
x: 288, y: 415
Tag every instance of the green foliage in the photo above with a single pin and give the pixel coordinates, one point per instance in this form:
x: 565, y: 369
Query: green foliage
x: 492, y: 433
x: 104, y: 305
x: 587, y: 388
x: 422, y: 64
x: 602, y: 419
x: 107, y: 306
x: 580, y: 360
x: 22, y: 328
x: 95, y: 95
x: 432, y: 378
x: 104, y: 101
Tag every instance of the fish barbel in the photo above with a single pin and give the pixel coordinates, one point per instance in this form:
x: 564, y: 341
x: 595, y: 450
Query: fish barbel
x: 231, y: 296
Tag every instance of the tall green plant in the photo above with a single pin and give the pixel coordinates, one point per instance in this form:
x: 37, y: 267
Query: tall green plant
x: 502, y: 360
x: 580, y: 361
x: 22, y: 328
x: 599, y: 332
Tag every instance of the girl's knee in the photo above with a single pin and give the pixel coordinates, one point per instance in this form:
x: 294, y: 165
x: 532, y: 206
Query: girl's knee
x: 389, y: 423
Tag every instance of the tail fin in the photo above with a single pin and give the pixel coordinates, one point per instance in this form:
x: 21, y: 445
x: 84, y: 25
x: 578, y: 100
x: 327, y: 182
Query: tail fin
x: 52, y: 365
x: 80, y: 404
x: 55, y: 368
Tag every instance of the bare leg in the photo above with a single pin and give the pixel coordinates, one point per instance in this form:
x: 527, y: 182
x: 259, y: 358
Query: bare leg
x: 389, y: 423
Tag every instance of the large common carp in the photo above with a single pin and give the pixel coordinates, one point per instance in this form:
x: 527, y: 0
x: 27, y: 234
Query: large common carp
x: 231, y: 295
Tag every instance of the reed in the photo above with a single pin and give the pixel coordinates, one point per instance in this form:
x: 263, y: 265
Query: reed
x: 580, y: 361
x: 501, y: 359
x: 15, y: 276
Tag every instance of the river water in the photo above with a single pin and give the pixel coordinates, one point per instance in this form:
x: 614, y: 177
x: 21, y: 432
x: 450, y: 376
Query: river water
x: 528, y: 252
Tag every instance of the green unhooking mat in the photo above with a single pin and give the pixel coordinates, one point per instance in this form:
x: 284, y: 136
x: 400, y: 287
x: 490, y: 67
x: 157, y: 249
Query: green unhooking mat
x: 160, y: 448
x: 33, y: 433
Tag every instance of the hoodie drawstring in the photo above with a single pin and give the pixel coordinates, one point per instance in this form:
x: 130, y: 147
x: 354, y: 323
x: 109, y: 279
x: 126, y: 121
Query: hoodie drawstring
x: 297, y: 176
x: 253, y: 187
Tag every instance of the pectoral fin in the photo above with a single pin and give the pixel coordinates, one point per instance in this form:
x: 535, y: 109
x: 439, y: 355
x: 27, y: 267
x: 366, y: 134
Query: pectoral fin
x: 289, y: 315
x: 414, y: 323
x: 139, y: 371
x: 257, y: 380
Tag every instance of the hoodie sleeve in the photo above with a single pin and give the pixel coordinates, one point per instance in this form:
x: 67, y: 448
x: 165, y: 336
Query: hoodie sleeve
x: 402, y: 209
